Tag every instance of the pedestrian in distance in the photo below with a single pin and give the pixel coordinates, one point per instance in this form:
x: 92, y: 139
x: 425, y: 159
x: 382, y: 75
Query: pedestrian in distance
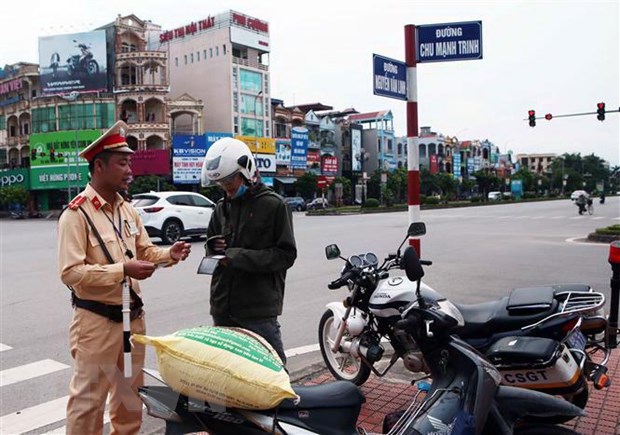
x: 102, y: 246
x: 252, y: 227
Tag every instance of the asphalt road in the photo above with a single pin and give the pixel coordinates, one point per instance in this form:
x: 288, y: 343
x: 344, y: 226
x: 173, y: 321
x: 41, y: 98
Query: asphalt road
x: 478, y: 253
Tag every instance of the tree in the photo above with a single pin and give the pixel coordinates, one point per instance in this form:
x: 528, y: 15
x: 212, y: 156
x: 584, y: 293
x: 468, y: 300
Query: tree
x: 486, y: 182
x: 346, y: 188
x: 13, y: 195
x: 307, y: 185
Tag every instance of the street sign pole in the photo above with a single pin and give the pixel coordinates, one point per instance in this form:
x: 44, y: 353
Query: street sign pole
x: 413, y: 159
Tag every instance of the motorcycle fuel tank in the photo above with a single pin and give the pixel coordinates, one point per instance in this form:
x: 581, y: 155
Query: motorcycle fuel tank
x: 394, y: 294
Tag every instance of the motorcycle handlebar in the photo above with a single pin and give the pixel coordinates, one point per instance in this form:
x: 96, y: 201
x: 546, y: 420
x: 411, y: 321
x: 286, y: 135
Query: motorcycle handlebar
x: 426, y: 262
x: 336, y: 284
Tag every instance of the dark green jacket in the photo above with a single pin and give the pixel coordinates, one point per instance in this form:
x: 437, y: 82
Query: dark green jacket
x: 258, y: 228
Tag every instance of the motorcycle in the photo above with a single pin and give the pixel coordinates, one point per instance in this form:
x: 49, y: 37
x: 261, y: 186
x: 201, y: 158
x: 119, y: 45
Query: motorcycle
x: 540, y: 338
x: 465, y: 396
x: 77, y: 63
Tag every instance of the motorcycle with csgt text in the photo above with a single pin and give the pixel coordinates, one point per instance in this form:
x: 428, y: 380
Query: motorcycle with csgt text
x: 540, y: 338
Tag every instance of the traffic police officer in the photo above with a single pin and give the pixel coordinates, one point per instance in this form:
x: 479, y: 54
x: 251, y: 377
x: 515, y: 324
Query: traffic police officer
x: 101, y: 243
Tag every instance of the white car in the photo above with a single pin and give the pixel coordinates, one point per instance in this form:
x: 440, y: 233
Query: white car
x: 494, y: 196
x: 172, y: 215
x: 577, y: 193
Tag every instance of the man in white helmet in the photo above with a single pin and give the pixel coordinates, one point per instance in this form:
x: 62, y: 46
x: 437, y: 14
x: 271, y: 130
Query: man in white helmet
x: 253, y: 228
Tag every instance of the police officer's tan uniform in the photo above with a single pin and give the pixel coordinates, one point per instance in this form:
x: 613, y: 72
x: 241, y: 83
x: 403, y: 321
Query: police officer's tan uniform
x: 97, y: 342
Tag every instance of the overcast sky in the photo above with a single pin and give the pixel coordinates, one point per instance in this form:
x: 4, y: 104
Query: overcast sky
x: 558, y: 57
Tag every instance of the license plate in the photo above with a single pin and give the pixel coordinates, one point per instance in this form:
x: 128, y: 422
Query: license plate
x: 577, y: 340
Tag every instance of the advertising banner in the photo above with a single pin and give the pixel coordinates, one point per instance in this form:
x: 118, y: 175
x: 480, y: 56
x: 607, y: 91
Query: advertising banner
x: 434, y: 167
x: 265, y: 163
x: 54, y: 160
x: 75, y: 62
x: 283, y: 152
x: 470, y: 166
x: 299, y: 148
x: 356, y: 146
x: 150, y: 162
x: 313, y: 161
x: 188, y: 153
x: 262, y: 145
x: 15, y: 177
x: 456, y: 165
x: 329, y: 165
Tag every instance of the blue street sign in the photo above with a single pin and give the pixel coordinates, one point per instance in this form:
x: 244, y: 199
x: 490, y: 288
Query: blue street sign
x: 389, y: 77
x: 449, y: 41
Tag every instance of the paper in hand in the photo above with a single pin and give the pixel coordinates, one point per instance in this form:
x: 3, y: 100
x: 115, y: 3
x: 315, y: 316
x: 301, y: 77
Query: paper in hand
x: 208, y: 264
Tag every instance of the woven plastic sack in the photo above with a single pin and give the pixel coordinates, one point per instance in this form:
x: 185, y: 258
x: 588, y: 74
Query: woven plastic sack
x: 232, y: 367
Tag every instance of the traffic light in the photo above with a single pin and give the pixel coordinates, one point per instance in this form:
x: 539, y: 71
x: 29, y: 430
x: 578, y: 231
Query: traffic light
x: 532, y: 117
x: 600, y: 111
x: 548, y: 116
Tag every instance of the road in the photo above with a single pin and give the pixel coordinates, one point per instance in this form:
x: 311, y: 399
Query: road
x: 478, y: 253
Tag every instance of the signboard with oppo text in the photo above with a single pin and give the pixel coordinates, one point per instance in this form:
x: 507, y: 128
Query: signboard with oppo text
x: 55, y: 161
x: 15, y: 177
x: 449, y: 41
x: 75, y: 62
x: 262, y: 145
x: 390, y: 77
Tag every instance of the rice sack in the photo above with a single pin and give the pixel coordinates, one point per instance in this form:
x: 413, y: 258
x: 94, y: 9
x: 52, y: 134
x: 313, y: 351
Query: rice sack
x: 233, y: 367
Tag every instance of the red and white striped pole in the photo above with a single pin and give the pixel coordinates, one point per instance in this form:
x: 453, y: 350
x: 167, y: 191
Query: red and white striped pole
x: 413, y: 158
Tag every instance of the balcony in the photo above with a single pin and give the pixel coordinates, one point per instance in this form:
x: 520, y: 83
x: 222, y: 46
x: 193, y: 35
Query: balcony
x: 246, y: 62
x: 142, y: 56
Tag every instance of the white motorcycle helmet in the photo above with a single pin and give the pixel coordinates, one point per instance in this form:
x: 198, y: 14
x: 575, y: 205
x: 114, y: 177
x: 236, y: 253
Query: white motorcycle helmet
x: 227, y: 156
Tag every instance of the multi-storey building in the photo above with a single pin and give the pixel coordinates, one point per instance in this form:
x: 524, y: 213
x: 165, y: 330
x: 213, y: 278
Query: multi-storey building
x: 224, y: 61
x: 536, y: 163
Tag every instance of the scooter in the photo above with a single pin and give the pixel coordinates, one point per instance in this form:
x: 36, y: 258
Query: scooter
x: 553, y: 328
x: 465, y: 395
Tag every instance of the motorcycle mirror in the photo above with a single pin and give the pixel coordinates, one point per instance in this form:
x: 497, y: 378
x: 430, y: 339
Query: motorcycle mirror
x: 411, y: 264
x: 332, y: 252
x: 416, y: 229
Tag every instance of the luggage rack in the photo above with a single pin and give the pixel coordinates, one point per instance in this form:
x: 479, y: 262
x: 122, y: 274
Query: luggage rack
x: 573, y: 302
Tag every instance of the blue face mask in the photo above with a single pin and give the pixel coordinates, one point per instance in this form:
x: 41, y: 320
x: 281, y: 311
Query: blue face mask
x: 240, y: 191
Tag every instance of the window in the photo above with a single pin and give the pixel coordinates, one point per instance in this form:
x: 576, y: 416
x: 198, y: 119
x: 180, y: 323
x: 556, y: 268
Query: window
x: 76, y: 117
x: 251, y: 81
x: 185, y: 56
x: 2, y: 122
x: 224, y: 50
x: 199, y: 201
x: 198, y: 56
x: 210, y: 52
x: 204, y: 54
x: 176, y: 61
x: 235, y: 102
x: 191, y: 57
x: 104, y: 115
x: 251, y: 127
x: 235, y: 81
x: 180, y: 200
x: 43, y: 120
x: 217, y: 51
x: 251, y: 104
x: 236, y: 125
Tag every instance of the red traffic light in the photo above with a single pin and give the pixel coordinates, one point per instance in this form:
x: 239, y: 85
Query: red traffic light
x: 532, y: 117
x: 600, y: 111
x: 548, y: 116
x: 601, y: 106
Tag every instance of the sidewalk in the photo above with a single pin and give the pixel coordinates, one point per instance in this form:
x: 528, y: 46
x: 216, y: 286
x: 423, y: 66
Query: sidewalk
x: 388, y: 395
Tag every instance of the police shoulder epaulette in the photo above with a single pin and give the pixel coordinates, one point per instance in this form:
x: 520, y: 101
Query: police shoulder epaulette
x: 77, y: 201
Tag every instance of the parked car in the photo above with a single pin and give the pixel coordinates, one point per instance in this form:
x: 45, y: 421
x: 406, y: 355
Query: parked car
x: 318, y: 203
x: 577, y: 193
x: 172, y: 215
x: 494, y: 196
x: 296, y: 203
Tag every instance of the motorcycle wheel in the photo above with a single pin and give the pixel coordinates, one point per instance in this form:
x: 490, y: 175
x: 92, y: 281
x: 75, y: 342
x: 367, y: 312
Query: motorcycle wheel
x: 92, y: 67
x: 342, y: 365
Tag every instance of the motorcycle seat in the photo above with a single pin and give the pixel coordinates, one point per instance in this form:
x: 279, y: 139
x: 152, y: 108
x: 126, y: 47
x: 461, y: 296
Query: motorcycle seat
x: 494, y: 317
x: 332, y: 395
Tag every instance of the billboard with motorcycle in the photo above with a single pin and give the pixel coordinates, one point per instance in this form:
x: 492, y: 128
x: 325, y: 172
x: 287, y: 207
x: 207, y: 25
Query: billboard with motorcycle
x: 74, y: 62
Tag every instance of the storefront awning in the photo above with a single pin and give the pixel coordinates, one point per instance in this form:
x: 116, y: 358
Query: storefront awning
x: 286, y: 180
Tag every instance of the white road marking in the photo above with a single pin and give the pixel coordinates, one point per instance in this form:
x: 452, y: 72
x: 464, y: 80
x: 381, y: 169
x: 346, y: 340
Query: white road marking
x: 4, y: 347
x: 29, y: 371
x: 35, y: 417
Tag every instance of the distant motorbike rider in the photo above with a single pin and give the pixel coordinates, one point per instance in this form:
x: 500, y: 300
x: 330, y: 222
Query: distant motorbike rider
x: 602, y: 197
x: 581, y: 202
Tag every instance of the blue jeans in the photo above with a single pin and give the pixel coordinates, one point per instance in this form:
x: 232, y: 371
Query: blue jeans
x: 268, y: 328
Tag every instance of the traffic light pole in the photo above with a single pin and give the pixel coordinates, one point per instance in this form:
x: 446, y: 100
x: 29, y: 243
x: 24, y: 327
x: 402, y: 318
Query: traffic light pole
x: 413, y: 158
